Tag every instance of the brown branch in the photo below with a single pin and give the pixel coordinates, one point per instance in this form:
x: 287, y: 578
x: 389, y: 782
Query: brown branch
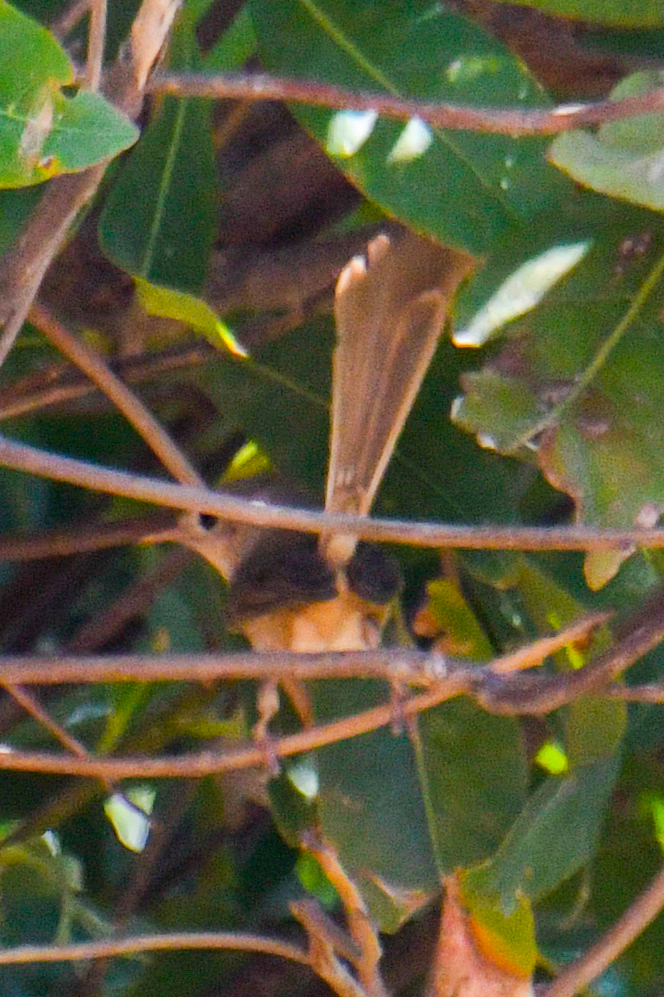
x: 53, y: 387
x: 125, y: 400
x: 635, y: 919
x: 403, y: 665
x: 38, y: 713
x: 103, y: 948
x: 96, y: 42
x: 24, y: 265
x: 22, y: 457
x: 69, y: 19
x: 360, y: 925
x: 212, y: 763
x: 97, y: 536
x: 132, y: 603
x: 536, y: 693
x: 323, y: 937
x: 503, y: 121
x: 453, y: 682
x: 636, y: 693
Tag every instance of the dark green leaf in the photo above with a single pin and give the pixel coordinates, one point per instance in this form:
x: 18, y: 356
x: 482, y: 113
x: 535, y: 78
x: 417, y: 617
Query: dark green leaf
x: 474, y: 779
x: 554, y: 836
x: 159, y: 219
x: 465, y: 189
x: 579, y: 382
x: 158, y: 222
x: 371, y: 808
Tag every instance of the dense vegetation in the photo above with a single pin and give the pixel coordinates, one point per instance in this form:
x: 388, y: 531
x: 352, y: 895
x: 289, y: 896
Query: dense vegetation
x: 172, y: 224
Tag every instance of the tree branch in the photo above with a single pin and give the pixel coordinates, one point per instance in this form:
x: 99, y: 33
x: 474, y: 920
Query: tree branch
x: 96, y: 42
x: 403, y: 665
x: 502, y: 121
x: 125, y: 400
x: 614, y: 942
x: 22, y: 457
x: 103, y: 948
x: 63, y: 384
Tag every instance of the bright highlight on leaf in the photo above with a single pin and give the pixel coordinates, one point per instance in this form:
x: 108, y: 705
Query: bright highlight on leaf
x: 304, y: 777
x: 348, y: 131
x: 167, y: 303
x: 414, y: 140
x: 131, y: 823
x: 521, y: 292
x: 656, y: 803
x: 249, y: 461
x: 42, y: 132
x: 552, y: 758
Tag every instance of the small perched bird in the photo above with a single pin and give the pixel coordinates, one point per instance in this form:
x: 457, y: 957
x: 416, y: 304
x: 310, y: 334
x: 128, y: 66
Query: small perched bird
x: 295, y: 591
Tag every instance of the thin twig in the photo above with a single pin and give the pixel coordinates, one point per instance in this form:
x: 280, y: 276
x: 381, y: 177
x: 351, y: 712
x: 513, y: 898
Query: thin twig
x: 130, y: 604
x: 125, y: 400
x: 213, y: 763
x: 96, y: 43
x: 403, y: 665
x: 361, y: 928
x: 538, y: 693
x: 452, y: 683
x: 22, y: 457
x: 613, y: 943
x: 42, y: 237
x: 636, y: 693
x: 503, y: 121
x: 38, y: 713
x: 69, y: 19
x: 95, y: 536
x: 323, y: 949
x: 55, y: 386
x: 103, y: 948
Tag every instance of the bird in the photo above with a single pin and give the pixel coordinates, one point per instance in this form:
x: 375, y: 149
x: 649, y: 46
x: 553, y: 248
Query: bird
x: 298, y: 592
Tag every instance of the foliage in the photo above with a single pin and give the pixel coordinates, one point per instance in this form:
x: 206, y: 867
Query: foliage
x: 542, y: 407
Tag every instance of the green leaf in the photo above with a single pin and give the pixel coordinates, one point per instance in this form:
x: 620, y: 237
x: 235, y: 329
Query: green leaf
x: 507, y: 939
x: 474, y: 778
x: 235, y: 46
x: 371, y: 808
x: 15, y: 208
x: 594, y: 726
x: 554, y: 836
x: 630, y: 857
x: 167, y: 303
x: 623, y: 158
x: 465, y: 189
x: 159, y: 219
x: 405, y: 812
x: 579, y: 383
x: 158, y: 222
x: 626, y: 13
x: 42, y: 132
x: 461, y: 631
